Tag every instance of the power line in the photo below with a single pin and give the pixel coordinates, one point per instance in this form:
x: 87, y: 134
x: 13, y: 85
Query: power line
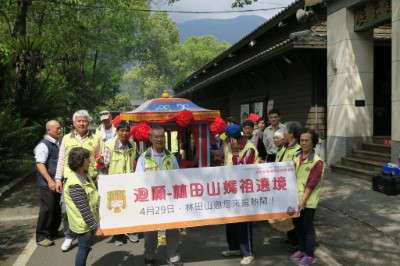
x: 168, y: 11
x: 218, y: 12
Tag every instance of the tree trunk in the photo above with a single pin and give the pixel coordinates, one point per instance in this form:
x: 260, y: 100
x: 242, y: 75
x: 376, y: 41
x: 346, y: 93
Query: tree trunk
x: 20, y: 30
x: 20, y: 20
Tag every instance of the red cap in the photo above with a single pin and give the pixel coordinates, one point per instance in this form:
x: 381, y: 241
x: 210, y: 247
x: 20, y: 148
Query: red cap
x: 253, y: 117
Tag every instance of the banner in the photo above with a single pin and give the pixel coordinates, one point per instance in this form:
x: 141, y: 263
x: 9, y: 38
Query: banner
x: 139, y: 202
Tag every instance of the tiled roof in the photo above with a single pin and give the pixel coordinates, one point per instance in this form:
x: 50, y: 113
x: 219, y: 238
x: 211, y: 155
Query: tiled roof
x: 300, y: 38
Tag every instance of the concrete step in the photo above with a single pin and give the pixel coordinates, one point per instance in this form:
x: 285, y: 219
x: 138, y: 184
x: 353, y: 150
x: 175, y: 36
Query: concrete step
x: 353, y: 172
x: 381, y: 139
x: 381, y: 148
x: 372, y: 156
x: 362, y: 164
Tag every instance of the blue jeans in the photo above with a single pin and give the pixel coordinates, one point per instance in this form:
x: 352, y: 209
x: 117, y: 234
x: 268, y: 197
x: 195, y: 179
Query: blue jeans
x: 84, y: 246
x: 304, y: 226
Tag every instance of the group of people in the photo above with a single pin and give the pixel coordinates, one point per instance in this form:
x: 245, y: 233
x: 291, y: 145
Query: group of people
x: 251, y: 143
x: 67, y: 172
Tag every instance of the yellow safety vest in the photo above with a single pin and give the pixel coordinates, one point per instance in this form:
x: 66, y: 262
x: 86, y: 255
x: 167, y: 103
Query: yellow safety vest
x: 151, y: 165
x: 75, y: 219
x: 91, y: 143
x: 302, y: 175
x: 227, y: 154
x: 247, y: 146
x: 120, y: 163
x: 287, y: 153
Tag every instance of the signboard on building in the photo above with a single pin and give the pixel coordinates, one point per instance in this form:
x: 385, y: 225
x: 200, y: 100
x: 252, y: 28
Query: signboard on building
x: 372, y: 14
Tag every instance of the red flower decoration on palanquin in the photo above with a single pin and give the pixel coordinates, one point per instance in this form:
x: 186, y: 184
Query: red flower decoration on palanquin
x: 218, y: 126
x: 183, y: 118
x: 141, y: 131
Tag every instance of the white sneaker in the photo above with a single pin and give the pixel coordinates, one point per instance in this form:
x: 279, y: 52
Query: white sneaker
x: 246, y: 260
x: 134, y: 238
x: 67, y: 244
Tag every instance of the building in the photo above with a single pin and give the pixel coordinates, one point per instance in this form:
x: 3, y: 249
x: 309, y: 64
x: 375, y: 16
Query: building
x: 325, y: 64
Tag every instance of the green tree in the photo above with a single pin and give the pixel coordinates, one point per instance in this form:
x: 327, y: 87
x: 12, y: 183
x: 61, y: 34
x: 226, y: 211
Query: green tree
x: 60, y: 56
x: 194, y: 53
x: 180, y: 60
x: 154, y: 72
x: 17, y: 138
x: 118, y: 103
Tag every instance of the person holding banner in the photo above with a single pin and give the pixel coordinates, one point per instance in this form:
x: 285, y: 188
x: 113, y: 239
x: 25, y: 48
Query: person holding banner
x: 248, y: 130
x: 291, y: 134
x: 309, y: 173
x: 82, y: 202
x: 158, y: 158
x: 119, y: 158
x: 240, y: 235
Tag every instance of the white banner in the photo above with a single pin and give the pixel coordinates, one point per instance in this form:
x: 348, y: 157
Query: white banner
x: 181, y: 198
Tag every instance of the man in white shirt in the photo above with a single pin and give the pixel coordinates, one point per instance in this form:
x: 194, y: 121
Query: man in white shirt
x: 274, y: 118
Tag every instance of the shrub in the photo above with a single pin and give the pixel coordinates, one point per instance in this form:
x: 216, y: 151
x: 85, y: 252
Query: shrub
x: 17, y: 141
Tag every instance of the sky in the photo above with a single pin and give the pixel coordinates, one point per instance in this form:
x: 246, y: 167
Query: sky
x: 220, y: 5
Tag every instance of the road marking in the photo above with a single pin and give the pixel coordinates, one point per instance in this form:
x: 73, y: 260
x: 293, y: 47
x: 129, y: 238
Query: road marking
x: 26, y: 254
x: 18, y: 218
x: 326, y: 258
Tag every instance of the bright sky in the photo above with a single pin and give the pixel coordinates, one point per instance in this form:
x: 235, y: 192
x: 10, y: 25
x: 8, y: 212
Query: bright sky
x: 221, y: 5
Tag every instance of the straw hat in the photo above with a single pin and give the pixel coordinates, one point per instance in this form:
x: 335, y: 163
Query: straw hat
x: 282, y: 225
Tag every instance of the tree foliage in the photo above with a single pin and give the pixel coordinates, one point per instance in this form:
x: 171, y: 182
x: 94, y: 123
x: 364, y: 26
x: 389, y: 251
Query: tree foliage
x: 151, y: 79
x: 194, y: 53
x: 118, y: 103
x: 17, y: 137
x: 60, y: 56
x: 82, y: 44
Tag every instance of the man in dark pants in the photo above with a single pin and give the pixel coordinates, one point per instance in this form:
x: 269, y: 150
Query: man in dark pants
x: 46, y: 157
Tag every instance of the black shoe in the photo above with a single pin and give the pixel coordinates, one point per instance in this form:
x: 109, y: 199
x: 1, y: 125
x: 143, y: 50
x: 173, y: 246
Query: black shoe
x: 149, y: 262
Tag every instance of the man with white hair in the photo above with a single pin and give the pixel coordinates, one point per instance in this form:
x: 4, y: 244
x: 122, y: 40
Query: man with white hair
x: 79, y: 137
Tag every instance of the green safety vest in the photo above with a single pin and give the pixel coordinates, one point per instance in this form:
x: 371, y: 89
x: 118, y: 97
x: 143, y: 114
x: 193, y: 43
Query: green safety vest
x: 91, y: 143
x: 247, y: 146
x: 75, y: 219
x: 120, y: 163
x: 279, y: 154
x: 302, y: 175
x: 287, y: 153
x: 227, y: 154
x: 151, y: 165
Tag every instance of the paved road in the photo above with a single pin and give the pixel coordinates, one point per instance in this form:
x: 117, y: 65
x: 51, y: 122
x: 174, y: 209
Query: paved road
x: 355, y: 226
